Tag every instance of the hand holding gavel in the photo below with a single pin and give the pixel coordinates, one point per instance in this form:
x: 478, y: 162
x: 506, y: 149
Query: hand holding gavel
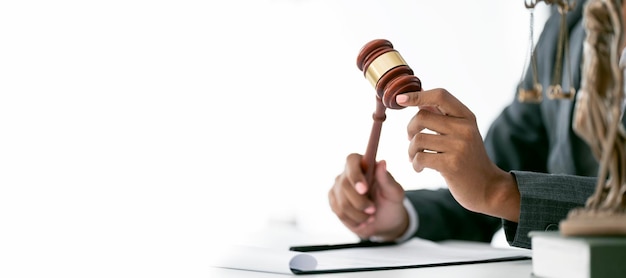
x: 390, y: 75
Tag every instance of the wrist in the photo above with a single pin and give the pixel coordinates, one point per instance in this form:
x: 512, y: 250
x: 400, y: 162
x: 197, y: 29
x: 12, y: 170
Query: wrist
x: 503, y: 198
x: 400, y: 230
x: 397, y: 233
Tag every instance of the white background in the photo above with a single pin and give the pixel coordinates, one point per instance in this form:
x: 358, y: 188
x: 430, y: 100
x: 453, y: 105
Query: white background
x: 135, y: 134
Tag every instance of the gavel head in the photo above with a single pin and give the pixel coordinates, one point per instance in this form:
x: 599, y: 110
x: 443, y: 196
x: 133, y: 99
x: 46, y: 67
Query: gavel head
x: 387, y: 71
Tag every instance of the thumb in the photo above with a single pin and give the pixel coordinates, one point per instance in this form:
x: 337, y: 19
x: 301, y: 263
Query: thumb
x: 388, y: 187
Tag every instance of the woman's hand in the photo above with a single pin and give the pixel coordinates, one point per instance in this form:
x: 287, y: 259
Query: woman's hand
x: 369, y: 210
x: 455, y: 149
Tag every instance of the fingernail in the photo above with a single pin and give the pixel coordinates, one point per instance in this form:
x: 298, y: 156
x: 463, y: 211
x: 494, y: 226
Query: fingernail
x: 383, y: 164
x: 370, y: 210
x: 402, y: 99
x: 360, y: 188
x: 371, y: 219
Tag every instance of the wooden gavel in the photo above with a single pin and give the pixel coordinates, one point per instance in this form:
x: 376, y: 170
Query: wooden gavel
x: 390, y: 75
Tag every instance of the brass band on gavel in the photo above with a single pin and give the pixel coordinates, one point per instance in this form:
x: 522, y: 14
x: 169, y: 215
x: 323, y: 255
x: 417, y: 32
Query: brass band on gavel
x: 382, y: 64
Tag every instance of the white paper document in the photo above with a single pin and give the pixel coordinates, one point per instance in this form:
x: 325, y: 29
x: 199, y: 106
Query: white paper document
x: 411, y: 254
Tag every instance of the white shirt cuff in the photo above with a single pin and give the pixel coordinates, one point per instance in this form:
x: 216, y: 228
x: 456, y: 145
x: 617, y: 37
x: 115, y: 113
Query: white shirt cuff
x: 413, y: 223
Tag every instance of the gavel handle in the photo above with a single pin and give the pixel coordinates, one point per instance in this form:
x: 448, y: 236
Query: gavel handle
x: 368, y: 162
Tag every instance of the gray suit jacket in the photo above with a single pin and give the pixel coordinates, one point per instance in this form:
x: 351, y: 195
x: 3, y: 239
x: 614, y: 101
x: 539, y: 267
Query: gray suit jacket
x: 553, y: 167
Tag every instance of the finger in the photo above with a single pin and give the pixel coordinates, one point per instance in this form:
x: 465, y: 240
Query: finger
x: 388, y: 186
x: 349, y: 205
x: 350, y: 217
x: 425, y: 119
x: 354, y: 173
x: 435, y: 161
x: 357, y: 200
x: 336, y: 208
x: 437, y: 123
x: 424, y: 142
x: 366, y: 229
x: 439, y: 98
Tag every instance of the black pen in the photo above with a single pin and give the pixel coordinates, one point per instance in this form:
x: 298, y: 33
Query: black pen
x: 313, y: 248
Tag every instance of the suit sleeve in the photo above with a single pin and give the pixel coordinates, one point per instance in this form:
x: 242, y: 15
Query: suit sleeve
x: 441, y: 217
x: 517, y: 139
x: 546, y: 199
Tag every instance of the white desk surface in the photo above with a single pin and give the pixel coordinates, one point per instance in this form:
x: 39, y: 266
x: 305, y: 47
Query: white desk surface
x: 283, y: 237
x: 514, y: 269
